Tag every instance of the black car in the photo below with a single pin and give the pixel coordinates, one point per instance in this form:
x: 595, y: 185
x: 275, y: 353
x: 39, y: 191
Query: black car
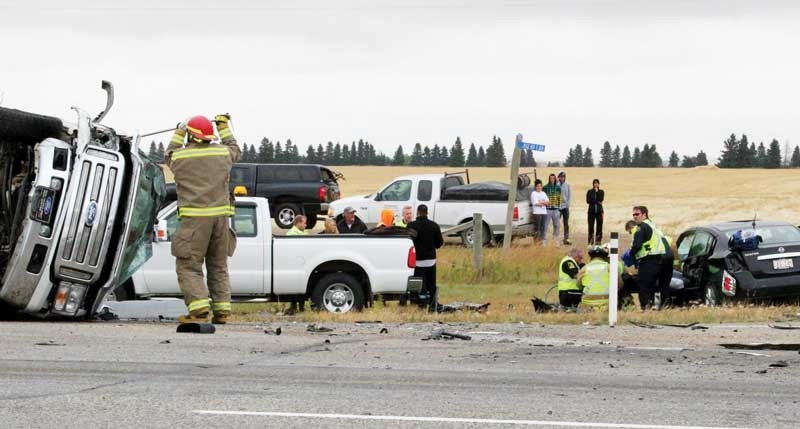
x: 718, y: 266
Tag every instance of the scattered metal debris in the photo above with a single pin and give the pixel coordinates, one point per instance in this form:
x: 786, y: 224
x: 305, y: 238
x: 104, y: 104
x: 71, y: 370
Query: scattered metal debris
x: 540, y: 306
x: 365, y: 322
x: 763, y: 346
x: 761, y: 371
x: 50, y: 343
x: 277, y: 331
x: 751, y: 354
x: 384, y: 331
x: 644, y: 325
x: 779, y: 364
x: 463, y: 306
x: 317, y: 328
x: 699, y: 327
x: 783, y: 326
x: 441, y: 334
x: 484, y: 333
x: 681, y: 325
x: 165, y: 342
x: 196, y: 328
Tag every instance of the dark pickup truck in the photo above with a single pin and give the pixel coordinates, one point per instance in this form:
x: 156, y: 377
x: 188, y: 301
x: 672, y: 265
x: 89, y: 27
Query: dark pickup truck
x: 291, y: 189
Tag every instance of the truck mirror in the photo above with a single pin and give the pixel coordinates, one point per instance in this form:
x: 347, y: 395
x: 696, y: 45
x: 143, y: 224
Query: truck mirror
x: 161, y: 230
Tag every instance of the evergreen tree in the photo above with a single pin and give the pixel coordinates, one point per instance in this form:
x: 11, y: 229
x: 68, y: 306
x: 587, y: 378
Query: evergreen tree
x: 688, y: 162
x: 655, y: 158
x: 311, y: 156
x: 279, y: 158
x: 728, y: 158
x: 747, y: 156
x: 773, y: 155
x: 360, y: 153
x: 245, y: 153
x: 616, y: 157
x: 588, y: 160
x: 445, y: 156
x: 531, y: 159
x: 673, y: 159
x: 426, y: 156
x: 399, y: 157
x: 160, y: 152
x: 266, y: 152
x: 636, y: 159
x: 329, y: 153
x: 337, y: 154
x: 320, y: 154
x: 472, y: 156
x: 761, y: 156
x: 795, y: 162
x: 152, y: 152
x: 701, y: 158
x: 353, y: 154
x: 786, y: 161
x: 481, y: 157
x: 605, y: 155
x: 436, y: 155
x: 569, y: 161
x: 251, y: 154
x: 345, y: 155
x: 626, y: 160
x: 578, y: 155
x: 495, y: 154
x: 416, y: 156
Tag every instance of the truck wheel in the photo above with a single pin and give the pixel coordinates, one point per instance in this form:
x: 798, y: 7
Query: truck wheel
x: 17, y: 126
x: 285, y: 213
x: 311, y: 220
x: 125, y: 292
x: 338, y: 293
x: 467, y: 236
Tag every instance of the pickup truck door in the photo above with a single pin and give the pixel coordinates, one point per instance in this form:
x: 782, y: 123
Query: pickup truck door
x: 246, y: 267
x: 394, y: 196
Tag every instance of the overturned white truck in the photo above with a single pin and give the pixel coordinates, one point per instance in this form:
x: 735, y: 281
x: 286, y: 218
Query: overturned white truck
x: 77, y: 206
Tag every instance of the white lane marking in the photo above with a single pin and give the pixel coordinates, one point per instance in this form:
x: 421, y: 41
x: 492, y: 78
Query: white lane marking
x: 451, y: 420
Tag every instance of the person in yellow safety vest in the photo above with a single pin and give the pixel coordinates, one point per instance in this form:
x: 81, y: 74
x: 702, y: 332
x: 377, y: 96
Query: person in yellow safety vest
x: 202, y: 170
x: 593, y: 279
x: 648, y: 249
x: 569, y: 294
x: 298, y: 226
x: 408, y: 216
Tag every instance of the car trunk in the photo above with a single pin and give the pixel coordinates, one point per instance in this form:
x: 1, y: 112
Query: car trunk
x: 773, y: 260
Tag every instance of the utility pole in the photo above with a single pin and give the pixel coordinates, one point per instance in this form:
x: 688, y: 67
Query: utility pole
x: 512, y: 193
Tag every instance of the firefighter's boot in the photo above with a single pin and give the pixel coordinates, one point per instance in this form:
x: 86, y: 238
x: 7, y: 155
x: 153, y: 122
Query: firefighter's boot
x: 220, y: 317
x: 197, y: 316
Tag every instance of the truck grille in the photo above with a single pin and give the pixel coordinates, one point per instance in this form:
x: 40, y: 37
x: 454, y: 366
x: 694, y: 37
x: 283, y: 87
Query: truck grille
x: 90, y: 216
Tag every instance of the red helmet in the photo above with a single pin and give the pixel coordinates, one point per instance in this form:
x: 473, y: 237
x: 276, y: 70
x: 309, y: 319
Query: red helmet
x: 200, y: 128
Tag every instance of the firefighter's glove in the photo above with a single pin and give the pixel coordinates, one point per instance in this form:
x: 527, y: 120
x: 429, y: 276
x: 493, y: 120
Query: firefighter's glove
x: 222, y: 119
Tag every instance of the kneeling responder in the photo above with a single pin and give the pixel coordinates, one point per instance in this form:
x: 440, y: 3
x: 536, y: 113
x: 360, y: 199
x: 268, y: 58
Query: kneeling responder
x: 593, y: 278
x: 202, y: 171
x: 569, y: 294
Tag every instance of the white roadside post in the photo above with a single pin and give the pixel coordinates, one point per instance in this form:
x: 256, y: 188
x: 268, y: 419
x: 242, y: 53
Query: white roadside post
x: 512, y: 193
x: 613, y: 275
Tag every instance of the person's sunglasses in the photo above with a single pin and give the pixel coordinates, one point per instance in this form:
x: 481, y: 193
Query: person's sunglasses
x: 637, y: 214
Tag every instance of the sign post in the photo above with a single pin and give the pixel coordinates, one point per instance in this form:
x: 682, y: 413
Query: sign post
x: 613, y: 276
x: 512, y: 193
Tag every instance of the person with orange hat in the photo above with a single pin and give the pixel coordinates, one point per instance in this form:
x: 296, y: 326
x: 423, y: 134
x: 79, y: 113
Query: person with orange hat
x: 201, y: 168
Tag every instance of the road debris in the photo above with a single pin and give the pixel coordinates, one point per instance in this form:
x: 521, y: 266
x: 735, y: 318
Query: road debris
x: 751, y: 354
x: 196, y: 328
x: 317, y: 328
x: 783, y: 326
x: 699, y: 327
x: 384, y: 331
x: 367, y: 322
x: 277, y: 331
x: 484, y: 333
x: 644, y: 325
x: 779, y: 364
x: 165, y: 342
x: 441, y: 334
x: 50, y: 343
x: 761, y: 371
x: 540, y: 306
x: 763, y: 346
x: 463, y: 306
x: 680, y: 325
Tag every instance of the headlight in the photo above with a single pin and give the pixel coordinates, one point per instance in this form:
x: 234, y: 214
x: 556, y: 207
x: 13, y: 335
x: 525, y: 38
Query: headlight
x: 69, y: 298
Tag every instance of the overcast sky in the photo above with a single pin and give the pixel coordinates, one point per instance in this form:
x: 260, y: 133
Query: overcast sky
x: 681, y: 75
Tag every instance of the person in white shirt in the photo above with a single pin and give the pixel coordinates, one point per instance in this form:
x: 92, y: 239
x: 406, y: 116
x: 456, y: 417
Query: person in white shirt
x: 539, y: 202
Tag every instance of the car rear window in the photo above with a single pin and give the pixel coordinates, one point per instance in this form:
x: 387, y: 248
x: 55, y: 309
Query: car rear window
x: 774, y: 234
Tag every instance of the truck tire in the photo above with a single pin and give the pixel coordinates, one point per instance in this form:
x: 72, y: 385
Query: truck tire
x: 466, y: 236
x: 311, y: 220
x: 338, y: 293
x: 285, y: 213
x: 125, y: 292
x: 26, y: 128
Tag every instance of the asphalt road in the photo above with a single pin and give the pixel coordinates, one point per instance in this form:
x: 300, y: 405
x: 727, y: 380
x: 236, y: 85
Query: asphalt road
x: 113, y: 374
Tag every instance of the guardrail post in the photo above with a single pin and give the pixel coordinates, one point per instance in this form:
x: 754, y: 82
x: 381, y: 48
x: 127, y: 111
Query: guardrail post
x: 477, y: 240
x: 613, y: 275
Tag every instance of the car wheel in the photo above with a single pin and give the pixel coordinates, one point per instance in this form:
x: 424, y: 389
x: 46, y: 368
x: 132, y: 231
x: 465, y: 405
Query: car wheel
x: 468, y: 235
x: 712, y: 296
x: 285, y: 213
x: 338, y: 293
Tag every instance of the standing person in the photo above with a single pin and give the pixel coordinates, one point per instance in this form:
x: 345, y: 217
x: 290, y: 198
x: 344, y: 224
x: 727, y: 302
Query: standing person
x: 201, y: 172
x: 428, y: 239
x: 350, y: 224
x: 569, y: 294
x: 566, y: 199
x: 594, y: 198
x: 539, y: 202
x: 553, y: 192
x: 408, y: 217
x: 298, y: 226
x: 648, y: 249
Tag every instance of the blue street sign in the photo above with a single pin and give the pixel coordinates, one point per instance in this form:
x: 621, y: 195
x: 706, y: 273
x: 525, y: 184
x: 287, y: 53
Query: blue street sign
x: 530, y: 146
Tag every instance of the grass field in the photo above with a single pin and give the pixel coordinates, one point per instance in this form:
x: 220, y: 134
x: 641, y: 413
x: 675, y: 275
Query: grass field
x: 677, y: 199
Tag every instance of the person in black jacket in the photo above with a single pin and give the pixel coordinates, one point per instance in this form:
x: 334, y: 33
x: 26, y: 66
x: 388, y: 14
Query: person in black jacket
x: 594, y: 198
x: 428, y: 239
x: 350, y: 224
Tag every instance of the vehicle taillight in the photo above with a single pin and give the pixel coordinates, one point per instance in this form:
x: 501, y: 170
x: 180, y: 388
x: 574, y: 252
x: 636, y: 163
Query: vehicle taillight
x: 323, y: 193
x: 516, y: 213
x: 728, y: 284
x: 412, y: 257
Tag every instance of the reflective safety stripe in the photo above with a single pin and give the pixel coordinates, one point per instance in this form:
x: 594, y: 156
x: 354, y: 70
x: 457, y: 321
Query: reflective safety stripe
x: 565, y: 282
x: 198, y: 152
x: 198, y: 304
x: 221, y: 306
x: 399, y: 223
x: 225, y: 133
x: 595, y: 280
x: 226, y: 210
x: 177, y: 139
x: 654, y: 246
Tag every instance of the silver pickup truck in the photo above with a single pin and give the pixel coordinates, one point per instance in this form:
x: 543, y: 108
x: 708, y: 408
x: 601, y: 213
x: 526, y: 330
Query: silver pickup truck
x: 77, y: 206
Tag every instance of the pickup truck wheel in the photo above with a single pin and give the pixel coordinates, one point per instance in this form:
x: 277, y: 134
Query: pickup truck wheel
x: 17, y: 126
x: 285, y: 213
x: 467, y: 236
x: 712, y: 296
x: 125, y: 292
x: 311, y: 220
x: 338, y: 293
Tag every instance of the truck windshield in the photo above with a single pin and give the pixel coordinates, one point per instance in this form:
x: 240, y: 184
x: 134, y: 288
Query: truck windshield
x: 138, y: 243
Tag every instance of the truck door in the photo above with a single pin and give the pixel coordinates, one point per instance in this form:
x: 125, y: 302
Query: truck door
x: 394, y: 197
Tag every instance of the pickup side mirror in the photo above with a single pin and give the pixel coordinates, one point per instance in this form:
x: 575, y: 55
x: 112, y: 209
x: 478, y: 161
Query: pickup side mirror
x: 161, y: 231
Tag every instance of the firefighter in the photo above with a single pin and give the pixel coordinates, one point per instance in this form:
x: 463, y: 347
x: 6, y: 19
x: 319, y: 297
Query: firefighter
x: 594, y: 279
x: 569, y: 294
x: 201, y: 170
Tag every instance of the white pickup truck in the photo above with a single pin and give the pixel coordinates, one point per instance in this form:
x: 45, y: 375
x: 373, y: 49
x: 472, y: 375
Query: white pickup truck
x: 429, y: 189
x: 338, y: 272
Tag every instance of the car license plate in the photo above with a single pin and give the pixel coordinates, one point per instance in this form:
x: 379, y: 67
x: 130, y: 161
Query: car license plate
x: 782, y: 264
